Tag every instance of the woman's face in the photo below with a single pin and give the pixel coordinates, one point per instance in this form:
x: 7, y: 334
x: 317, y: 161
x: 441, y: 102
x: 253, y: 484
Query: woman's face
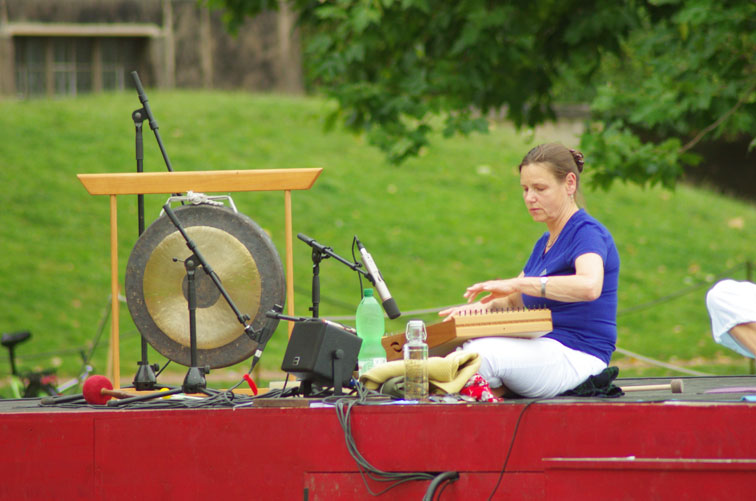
x: 546, y: 198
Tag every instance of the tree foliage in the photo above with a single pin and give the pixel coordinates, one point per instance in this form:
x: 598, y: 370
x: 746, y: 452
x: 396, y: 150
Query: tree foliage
x: 663, y: 73
x: 686, y: 75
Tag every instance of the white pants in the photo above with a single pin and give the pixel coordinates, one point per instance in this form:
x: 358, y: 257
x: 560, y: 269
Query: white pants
x: 731, y: 303
x: 535, y: 368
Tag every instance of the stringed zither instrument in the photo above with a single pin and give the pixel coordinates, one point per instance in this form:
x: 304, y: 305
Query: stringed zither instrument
x: 445, y: 337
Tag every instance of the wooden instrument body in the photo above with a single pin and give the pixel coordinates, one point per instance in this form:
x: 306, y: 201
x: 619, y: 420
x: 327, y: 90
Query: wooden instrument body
x: 445, y: 337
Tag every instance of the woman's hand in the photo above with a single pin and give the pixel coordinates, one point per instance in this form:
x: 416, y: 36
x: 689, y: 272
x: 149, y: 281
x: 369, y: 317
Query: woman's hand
x: 512, y: 299
x: 497, y: 288
x: 448, y: 313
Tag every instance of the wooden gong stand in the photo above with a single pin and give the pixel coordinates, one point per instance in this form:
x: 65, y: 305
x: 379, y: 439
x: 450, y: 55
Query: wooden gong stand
x: 144, y: 183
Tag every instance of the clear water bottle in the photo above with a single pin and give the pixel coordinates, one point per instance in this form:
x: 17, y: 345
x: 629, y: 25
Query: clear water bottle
x: 415, y: 361
x: 371, y: 325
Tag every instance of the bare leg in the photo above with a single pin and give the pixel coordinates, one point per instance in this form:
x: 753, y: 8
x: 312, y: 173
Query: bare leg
x: 745, y: 334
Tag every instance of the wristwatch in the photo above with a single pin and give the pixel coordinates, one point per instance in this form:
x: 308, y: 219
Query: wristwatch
x: 543, y: 286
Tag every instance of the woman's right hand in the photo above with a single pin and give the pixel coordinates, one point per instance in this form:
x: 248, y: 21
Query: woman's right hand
x: 476, y: 307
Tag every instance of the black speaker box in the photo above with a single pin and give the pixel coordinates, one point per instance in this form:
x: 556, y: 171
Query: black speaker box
x: 313, y: 350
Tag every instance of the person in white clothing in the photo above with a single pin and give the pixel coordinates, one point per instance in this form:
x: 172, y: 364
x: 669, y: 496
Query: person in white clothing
x: 732, y: 309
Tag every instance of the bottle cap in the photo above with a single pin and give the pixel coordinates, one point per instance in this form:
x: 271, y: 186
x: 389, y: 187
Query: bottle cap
x: 367, y: 292
x: 415, y: 331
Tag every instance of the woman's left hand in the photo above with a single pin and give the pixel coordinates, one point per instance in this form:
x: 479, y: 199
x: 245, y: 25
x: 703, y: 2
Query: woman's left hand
x: 496, y: 288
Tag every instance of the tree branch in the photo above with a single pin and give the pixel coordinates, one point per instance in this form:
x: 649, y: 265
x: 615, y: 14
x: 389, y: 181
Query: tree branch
x: 719, y: 121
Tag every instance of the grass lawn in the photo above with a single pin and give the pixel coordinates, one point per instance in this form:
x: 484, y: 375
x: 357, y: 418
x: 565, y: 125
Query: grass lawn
x: 451, y: 217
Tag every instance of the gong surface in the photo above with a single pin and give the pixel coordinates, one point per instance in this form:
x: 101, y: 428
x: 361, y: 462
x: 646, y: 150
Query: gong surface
x: 242, y: 256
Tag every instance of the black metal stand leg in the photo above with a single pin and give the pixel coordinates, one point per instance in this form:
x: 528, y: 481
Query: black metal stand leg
x: 145, y: 378
x: 338, y: 370
x: 306, y: 388
x: 317, y: 257
x: 194, y: 381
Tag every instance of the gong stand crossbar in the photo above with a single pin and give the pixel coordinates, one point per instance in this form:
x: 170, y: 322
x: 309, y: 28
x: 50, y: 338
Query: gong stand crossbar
x: 115, y: 184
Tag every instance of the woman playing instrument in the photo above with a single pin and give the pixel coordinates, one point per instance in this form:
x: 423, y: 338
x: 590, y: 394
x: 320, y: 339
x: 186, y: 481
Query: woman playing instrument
x: 573, y: 271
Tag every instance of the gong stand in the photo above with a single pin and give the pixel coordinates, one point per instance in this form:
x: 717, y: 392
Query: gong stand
x: 114, y: 184
x: 145, y: 378
x: 194, y: 381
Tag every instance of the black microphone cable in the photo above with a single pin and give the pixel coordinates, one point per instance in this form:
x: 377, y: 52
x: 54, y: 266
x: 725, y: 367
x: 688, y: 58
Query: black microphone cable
x: 354, y: 258
x: 343, y: 406
x: 511, y: 446
x: 447, y: 476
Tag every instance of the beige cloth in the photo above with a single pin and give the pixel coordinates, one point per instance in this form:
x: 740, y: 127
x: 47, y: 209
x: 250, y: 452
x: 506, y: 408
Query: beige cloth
x: 446, y: 374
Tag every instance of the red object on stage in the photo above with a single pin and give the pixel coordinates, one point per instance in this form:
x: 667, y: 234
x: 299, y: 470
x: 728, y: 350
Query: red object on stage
x: 251, y: 383
x: 93, y: 387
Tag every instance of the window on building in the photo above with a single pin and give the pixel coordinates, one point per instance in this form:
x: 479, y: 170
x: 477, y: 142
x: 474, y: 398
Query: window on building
x: 118, y: 58
x: 73, y: 65
x: 30, y: 67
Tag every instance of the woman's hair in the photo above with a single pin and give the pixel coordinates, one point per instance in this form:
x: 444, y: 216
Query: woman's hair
x: 559, y: 159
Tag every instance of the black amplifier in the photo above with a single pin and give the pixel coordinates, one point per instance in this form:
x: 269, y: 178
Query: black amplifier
x: 319, y: 350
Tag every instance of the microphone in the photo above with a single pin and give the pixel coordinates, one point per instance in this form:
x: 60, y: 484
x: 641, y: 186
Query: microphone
x: 389, y: 305
x: 311, y: 242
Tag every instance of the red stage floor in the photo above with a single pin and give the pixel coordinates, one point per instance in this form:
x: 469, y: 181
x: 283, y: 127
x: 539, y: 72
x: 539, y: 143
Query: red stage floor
x: 654, y: 445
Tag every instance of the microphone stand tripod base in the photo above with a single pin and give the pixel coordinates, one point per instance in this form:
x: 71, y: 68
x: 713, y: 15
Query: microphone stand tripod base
x: 195, y: 382
x: 145, y: 378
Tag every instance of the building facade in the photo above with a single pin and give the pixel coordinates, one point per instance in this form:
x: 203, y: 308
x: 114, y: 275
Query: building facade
x: 69, y: 47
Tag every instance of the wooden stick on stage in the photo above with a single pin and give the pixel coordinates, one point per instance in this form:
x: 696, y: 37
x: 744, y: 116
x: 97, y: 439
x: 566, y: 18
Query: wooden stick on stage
x: 675, y: 385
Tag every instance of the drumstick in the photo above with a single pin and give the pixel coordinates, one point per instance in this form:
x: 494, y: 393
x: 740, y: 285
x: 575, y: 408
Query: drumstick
x: 675, y: 385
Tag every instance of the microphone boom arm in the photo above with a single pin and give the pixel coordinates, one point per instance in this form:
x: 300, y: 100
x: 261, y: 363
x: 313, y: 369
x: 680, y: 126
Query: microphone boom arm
x: 329, y: 253
x: 320, y: 252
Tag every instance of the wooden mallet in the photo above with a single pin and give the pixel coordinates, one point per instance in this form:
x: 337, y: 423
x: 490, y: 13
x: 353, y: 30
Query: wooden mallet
x: 98, y: 390
x: 675, y: 385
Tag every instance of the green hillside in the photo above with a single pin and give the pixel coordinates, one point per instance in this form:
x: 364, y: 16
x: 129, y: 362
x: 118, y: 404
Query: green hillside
x: 440, y: 222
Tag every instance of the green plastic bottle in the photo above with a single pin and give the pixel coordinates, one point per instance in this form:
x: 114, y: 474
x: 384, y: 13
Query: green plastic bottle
x: 371, y: 325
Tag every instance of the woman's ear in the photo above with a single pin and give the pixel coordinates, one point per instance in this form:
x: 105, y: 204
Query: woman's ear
x: 571, y: 183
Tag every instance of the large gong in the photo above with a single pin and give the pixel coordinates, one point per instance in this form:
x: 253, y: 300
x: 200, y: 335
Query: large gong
x: 242, y: 256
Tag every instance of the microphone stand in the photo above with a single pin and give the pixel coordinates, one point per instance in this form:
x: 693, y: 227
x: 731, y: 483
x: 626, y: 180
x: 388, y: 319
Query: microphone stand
x: 320, y: 252
x: 145, y: 378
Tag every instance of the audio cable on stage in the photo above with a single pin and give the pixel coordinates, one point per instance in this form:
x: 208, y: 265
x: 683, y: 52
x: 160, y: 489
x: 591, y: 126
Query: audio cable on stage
x: 511, y: 446
x: 343, y: 406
